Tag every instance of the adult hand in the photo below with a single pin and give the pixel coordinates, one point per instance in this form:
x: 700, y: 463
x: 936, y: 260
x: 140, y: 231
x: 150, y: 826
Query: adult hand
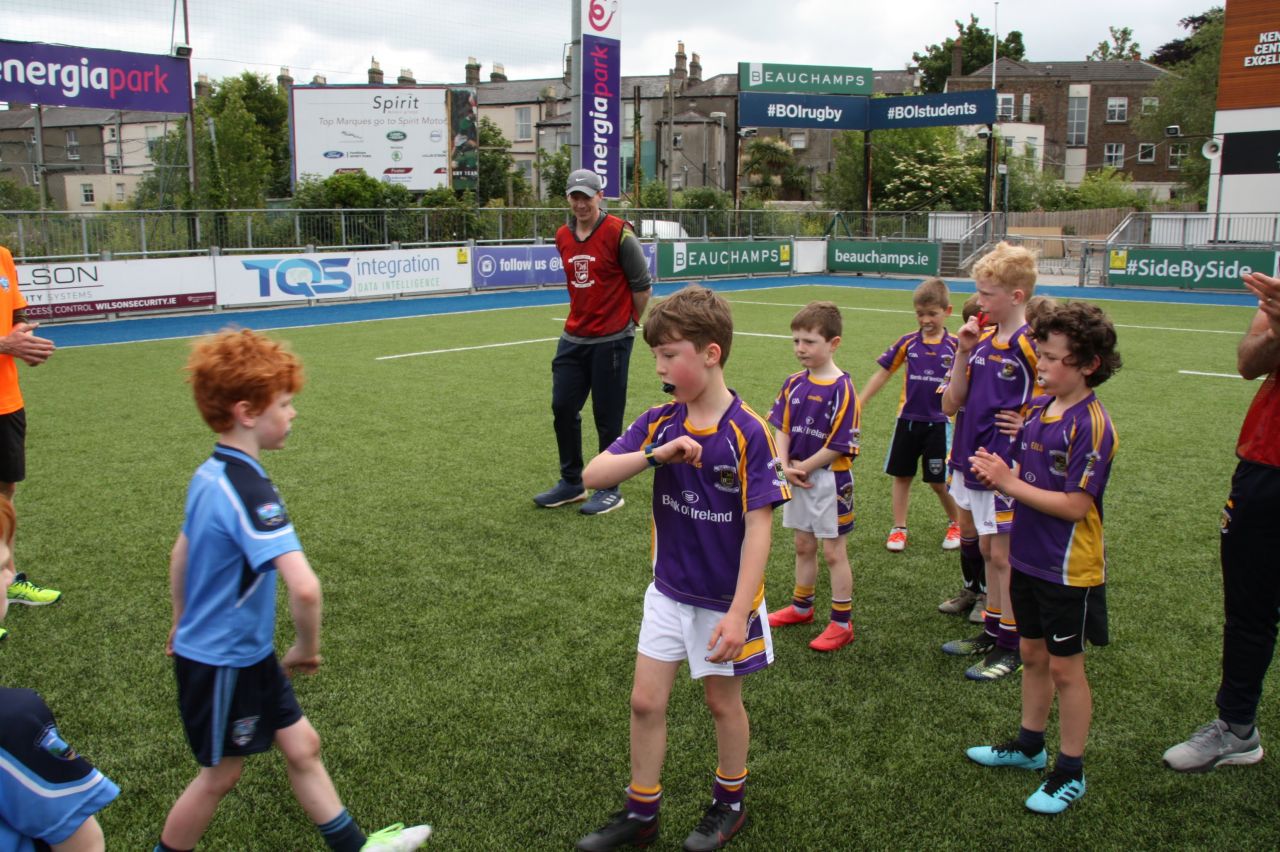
x: 1267, y: 289
x: 22, y: 343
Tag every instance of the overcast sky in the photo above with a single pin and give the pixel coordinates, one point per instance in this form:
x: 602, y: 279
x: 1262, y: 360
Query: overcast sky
x: 337, y: 38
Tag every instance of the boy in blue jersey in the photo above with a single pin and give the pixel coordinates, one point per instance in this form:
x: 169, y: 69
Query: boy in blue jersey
x: 922, y: 432
x: 234, y: 697
x: 992, y: 379
x: 716, y: 483
x: 1058, y: 588
x: 48, y: 793
x: 817, y: 417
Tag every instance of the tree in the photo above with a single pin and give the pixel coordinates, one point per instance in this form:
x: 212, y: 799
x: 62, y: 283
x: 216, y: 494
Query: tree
x: 1122, y: 46
x: 498, y: 167
x: 771, y: 166
x: 167, y: 186
x: 937, y: 179
x: 1181, y: 49
x: 844, y: 188
x: 1188, y: 98
x: 15, y: 196
x: 653, y: 195
x: 975, y: 46
x: 270, y: 110
x: 351, y: 190
x: 231, y: 158
x: 706, y: 198
x: 554, y: 170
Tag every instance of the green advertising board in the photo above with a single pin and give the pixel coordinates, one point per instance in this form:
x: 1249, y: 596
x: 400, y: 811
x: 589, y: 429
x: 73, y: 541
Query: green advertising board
x: 697, y: 260
x: 874, y: 256
x: 1186, y: 269
x: 820, y: 79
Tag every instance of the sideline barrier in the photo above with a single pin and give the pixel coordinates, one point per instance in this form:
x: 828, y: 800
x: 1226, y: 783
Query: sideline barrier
x: 708, y: 259
x: 495, y: 267
x: 73, y: 290
x: 874, y: 256
x: 1182, y: 269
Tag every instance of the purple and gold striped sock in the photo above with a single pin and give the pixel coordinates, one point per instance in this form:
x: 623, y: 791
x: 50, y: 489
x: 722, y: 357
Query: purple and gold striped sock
x: 991, y: 621
x: 729, y: 788
x: 802, y: 599
x: 1008, y: 636
x: 643, y: 802
x: 841, y: 611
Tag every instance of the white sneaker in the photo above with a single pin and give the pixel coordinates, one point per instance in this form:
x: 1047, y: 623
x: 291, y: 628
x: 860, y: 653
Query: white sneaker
x: 897, y: 540
x: 397, y: 838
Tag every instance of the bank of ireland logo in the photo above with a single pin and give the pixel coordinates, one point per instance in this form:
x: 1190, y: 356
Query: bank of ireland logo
x: 582, y: 270
x: 1119, y: 260
x: 600, y: 14
x: 679, y: 257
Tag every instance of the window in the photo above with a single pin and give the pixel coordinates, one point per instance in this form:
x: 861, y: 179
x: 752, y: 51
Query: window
x: 1150, y: 105
x: 86, y: 193
x: 1177, y: 152
x: 1004, y: 107
x: 1113, y: 155
x: 113, y: 166
x: 111, y: 134
x: 1033, y: 143
x: 73, y: 144
x: 525, y: 168
x: 1026, y: 107
x: 119, y: 192
x: 1146, y: 152
x: 1117, y: 109
x: 798, y: 141
x: 628, y: 118
x: 153, y: 139
x: 1077, y: 121
x: 562, y: 139
x: 524, y: 126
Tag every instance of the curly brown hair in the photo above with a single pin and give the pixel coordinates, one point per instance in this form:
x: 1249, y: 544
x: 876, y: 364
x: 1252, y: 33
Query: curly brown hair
x: 237, y: 365
x: 1089, y: 334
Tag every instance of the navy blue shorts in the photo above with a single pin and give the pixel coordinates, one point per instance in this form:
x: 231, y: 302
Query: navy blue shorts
x: 917, y: 439
x: 229, y: 711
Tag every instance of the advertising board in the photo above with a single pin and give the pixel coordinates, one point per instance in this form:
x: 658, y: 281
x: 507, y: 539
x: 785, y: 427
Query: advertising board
x: 528, y: 266
x: 817, y: 79
x: 1186, y: 269
x: 696, y: 260
x: 874, y: 256
x: 70, y: 290
x: 600, y: 124
x: 65, y: 75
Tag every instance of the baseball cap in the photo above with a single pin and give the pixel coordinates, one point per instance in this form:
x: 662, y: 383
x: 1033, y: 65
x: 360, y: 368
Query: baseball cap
x: 585, y: 181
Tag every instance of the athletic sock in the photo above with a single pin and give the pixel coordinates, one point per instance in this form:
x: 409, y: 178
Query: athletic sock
x: 841, y: 612
x: 1007, y: 638
x: 1241, y: 731
x: 991, y: 621
x: 729, y: 789
x: 1031, y: 742
x: 972, y: 566
x: 643, y: 802
x: 802, y: 599
x: 1073, y: 766
x: 341, y: 834
x: 160, y: 847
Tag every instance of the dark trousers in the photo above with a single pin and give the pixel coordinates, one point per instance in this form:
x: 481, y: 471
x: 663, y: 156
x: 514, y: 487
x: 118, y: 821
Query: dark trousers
x: 578, y: 370
x: 1251, y: 588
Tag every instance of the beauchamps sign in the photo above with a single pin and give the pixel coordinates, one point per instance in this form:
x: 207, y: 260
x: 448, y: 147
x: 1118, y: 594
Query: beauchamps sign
x: 64, y: 75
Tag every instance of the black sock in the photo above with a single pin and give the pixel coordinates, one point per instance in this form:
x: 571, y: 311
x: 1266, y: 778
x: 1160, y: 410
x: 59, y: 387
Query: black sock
x: 1072, y: 766
x: 1031, y: 742
x: 341, y: 833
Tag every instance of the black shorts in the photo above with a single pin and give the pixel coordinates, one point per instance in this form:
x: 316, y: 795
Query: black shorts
x: 1063, y: 616
x: 230, y: 711
x: 13, y: 446
x: 915, y: 439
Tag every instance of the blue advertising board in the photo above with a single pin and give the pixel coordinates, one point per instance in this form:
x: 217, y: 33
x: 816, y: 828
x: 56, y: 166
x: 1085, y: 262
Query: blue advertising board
x: 63, y: 75
x: 528, y: 266
x: 829, y: 112
x: 933, y: 110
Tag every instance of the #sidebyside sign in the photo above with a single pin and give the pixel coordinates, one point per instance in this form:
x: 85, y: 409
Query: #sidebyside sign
x: 65, y: 75
x: 269, y: 279
x: 872, y: 256
x: 696, y: 260
x: 1186, y: 269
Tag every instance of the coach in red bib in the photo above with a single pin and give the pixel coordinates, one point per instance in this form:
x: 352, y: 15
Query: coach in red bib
x: 1250, y: 553
x: 609, y: 286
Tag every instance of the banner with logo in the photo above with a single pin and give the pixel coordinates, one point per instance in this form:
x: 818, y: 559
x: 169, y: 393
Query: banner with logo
x: 267, y: 279
x: 600, y: 123
x: 70, y: 290
x: 65, y: 75
x: 528, y: 266
x: 933, y: 110
x: 831, y: 112
x: 819, y: 79
x: 874, y: 256
x: 1186, y: 269
x: 699, y: 260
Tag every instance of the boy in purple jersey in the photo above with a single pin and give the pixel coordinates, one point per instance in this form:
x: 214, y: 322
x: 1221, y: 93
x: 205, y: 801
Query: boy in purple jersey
x: 992, y: 379
x: 1058, y: 588
x: 816, y: 415
x: 922, y: 430
x: 716, y: 483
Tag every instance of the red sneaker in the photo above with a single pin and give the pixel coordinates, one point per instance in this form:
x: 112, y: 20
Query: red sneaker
x: 833, y: 638
x: 952, y: 539
x: 787, y: 616
x: 897, y: 540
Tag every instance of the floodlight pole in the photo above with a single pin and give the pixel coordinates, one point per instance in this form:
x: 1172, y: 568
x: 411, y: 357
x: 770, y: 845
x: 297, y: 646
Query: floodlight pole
x: 575, y: 88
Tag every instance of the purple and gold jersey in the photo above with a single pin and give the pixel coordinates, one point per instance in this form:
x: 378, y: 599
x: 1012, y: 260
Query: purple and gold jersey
x: 928, y: 365
x: 1072, y: 452
x: 1001, y: 376
x: 817, y: 415
x: 699, y: 512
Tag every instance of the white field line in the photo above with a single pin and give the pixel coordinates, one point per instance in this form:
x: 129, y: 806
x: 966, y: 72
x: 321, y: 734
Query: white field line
x: 465, y: 348
x: 1216, y: 375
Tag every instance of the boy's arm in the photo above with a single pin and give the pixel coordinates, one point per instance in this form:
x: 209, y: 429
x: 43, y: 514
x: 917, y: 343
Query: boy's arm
x: 305, y: 606
x: 992, y: 471
x: 873, y: 385
x: 608, y: 469
x: 731, y: 633
x: 821, y: 458
x: 177, y: 585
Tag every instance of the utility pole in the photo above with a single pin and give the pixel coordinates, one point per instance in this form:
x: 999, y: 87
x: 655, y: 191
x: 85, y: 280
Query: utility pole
x: 671, y: 132
x: 637, y: 141
x: 39, y: 175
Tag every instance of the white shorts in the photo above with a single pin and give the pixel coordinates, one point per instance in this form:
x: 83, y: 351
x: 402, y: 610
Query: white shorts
x: 672, y: 631
x: 992, y: 512
x: 813, y: 509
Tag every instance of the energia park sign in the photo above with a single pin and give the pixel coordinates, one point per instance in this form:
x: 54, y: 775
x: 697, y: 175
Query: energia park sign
x: 835, y: 98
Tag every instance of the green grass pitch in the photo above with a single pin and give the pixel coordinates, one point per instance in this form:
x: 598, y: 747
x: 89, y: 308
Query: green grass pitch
x: 478, y: 651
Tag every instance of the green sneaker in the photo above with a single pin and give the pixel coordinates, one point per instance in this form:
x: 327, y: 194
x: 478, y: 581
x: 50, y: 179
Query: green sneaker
x: 23, y: 591
x: 397, y: 838
x: 4, y: 634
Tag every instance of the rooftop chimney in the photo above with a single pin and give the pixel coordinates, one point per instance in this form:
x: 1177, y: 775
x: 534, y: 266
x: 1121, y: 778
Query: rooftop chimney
x: 695, y: 70
x: 682, y: 71
x: 473, y: 71
x: 549, y: 102
x: 568, y: 69
x: 319, y: 80
x: 406, y: 77
x: 375, y: 72
x: 284, y: 81
x: 957, y: 58
x: 498, y: 74
x: 203, y: 88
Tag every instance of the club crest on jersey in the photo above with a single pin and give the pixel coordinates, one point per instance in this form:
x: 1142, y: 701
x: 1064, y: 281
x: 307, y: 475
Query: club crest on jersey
x: 947, y: 360
x: 270, y: 514
x: 1009, y: 371
x: 50, y: 741
x: 4, y: 283
x: 779, y: 475
x: 581, y: 265
x: 242, y: 730
x: 726, y: 478
x: 1057, y: 462
x: 846, y: 495
x: 1090, y: 461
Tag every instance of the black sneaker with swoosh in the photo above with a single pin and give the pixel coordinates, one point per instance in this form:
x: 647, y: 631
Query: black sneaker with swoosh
x: 717, y: 827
